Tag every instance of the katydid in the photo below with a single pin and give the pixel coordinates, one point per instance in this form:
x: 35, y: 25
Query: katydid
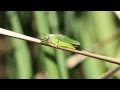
x: 61, y: 41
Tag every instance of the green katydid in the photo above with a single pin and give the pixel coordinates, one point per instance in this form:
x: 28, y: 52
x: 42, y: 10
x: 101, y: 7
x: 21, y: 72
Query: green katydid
x: 60, y: 40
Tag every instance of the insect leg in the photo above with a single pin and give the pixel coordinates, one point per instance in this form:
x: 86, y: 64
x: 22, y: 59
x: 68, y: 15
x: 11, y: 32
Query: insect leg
x: 46, y: 39
x: 57, y: 45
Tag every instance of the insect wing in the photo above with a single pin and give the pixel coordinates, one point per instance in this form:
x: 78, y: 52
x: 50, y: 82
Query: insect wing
x: 67, y: 40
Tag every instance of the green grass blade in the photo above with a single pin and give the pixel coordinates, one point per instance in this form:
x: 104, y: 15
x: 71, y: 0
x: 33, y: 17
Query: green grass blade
x: 21, y: 51
x: 92, y: 68
x: 60, y: 55
x: 42, y: 26
x: 105, y: 26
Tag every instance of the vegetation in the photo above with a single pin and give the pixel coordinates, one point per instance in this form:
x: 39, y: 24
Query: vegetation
x: 97, y: 31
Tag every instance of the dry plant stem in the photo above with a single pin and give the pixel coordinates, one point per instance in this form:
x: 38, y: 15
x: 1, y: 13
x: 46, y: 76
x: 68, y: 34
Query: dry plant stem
x: 28, y: 38
x: 104, y: 58
x: 74, y: 60
x: 115, y: 69
x: 117, y: 14
x: 19, y: 36
x: 109, y: 73
x: 96, y: 47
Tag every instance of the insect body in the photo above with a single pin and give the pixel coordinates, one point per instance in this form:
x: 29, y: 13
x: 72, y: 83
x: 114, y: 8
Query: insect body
x: 61, y: 40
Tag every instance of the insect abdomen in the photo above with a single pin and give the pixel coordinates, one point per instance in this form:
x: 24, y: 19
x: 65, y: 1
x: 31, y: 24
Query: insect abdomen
x: 64, y: 44
x: 54, y: 40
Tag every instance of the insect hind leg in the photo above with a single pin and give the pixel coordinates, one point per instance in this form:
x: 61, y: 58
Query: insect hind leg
x: 57, y: 45
x: 44, y: 40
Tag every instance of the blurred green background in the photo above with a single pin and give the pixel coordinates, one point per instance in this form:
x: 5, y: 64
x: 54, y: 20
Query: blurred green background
x: 97, y: 31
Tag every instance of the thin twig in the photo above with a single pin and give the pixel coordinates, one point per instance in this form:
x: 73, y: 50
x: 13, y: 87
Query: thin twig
x: 74, y: 60
x: 104, y: 58
x: 28, y: 38
x: 109, y: 73
x: 115, y: 69
x: 96, y: 47
x: 18, y: 35
x: 117, y: 14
